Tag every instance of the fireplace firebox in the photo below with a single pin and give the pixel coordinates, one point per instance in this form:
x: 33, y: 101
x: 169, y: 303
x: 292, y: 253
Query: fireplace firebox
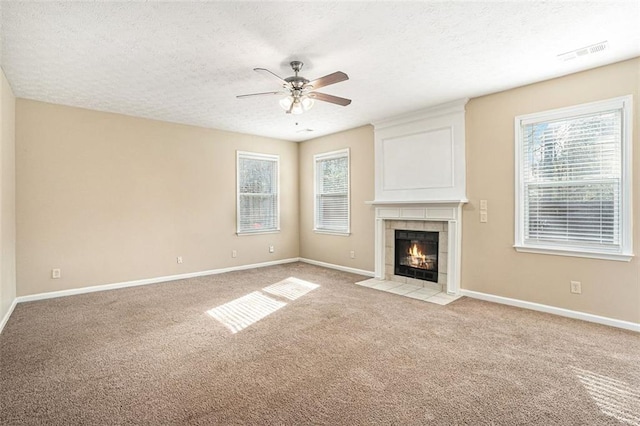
x: 416, y: 254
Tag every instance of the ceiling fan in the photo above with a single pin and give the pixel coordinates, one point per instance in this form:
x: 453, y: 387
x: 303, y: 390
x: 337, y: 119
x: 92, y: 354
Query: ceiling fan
x: 299, y: 93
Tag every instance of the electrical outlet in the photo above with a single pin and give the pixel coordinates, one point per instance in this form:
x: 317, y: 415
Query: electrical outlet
x: 179, y: 259
x: 483, y: 205
x: 352, y: 254
x: 483, y: 217
x: 576, y: 287
x: 234, y: 253
x: 271, y: 249
x: 56, y: 273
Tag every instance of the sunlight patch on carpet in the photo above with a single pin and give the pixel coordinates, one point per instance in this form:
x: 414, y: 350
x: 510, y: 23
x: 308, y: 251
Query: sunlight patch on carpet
x: 244, y: 311
x: 613, y: 397
x: 291, y: 288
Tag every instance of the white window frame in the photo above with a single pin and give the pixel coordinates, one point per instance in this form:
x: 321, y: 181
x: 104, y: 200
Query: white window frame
x: 625, y: 250
x: 263, y: 157
x: 329, y: 156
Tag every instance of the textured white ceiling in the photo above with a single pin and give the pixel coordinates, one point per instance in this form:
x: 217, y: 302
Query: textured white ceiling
x: 186, y: 62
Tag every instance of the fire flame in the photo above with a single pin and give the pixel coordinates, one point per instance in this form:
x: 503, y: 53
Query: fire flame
x: 417, y: 254
x: 416, y: 259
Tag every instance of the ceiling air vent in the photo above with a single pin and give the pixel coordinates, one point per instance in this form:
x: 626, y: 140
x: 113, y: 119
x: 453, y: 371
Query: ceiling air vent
x: 584, y: 51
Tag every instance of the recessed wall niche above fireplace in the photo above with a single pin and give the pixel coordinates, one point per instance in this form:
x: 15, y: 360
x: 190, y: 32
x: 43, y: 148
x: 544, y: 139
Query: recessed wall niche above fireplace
x: 416, y: 254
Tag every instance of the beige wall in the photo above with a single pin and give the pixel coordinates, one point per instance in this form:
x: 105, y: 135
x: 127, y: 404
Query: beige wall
x: 110, y: 198
x: 7, y: 197
x: 332, y: 248
x: 489, y: 262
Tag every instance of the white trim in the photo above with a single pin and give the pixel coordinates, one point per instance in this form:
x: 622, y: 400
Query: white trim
x: 257, y: 156
x: 563, y: 251
x: 339, y: 234
x: 574, y: 110
x: 625, y: 104
x: 627, y: 325
x: 418, y: 202
x: 456, y: 106
x: 454, y: 256
x: 379, y: 247
x: 5, y: 319
x: 338, y: 267
x: 146, y: 281
x: 330, y: 156
x: 242, y: 234
x: 627, y: 177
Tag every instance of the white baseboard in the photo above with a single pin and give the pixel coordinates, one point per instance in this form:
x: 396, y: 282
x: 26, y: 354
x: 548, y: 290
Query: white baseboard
x: 469, y: 293
x: 338, y: 267
x: 553, y: 310
x: 104, y: 287
x: 4, y: 319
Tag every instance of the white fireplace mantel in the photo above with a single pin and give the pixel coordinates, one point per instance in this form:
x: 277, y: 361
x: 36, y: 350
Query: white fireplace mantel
x: 449, y: 211
x: 420, y: 176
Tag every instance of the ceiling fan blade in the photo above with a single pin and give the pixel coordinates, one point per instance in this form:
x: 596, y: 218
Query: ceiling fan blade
x: 334, y: 78
x: 330, y: 98
x: 265, y: 71
x: 259, y: 94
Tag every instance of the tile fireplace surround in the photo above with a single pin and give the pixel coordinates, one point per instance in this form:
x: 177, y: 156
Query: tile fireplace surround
x: 415, y: 225
x: 443, y: 217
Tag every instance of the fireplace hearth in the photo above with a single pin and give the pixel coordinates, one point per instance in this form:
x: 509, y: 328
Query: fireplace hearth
x: 416, y: 254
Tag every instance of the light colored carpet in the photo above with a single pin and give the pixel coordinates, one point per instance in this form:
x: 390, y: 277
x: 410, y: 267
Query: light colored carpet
x: 331, y: 353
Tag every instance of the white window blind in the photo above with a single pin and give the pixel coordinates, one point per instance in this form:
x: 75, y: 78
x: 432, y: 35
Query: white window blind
x: 572, y: 179
x: 332, y: 192
x: 257, y: 193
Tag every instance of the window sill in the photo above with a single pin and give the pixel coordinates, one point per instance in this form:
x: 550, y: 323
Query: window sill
x: 574, y: 253
x: 338, y: 233
x: 243, y: 233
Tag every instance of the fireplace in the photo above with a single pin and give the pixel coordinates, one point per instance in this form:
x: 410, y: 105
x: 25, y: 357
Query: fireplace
x: 393, y: 219
x: 416, y: 254
x: 431, y: 141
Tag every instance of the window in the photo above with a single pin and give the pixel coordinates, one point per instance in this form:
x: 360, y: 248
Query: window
x: 332, y: 192
x: 257, y: 193
x: 573, y: 181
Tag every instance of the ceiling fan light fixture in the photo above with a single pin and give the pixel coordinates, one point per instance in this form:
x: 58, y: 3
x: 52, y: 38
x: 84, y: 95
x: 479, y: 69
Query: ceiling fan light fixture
x: 307, y: 102
x: 286, y: 102
x: 297, y: 107
x: 296, y: 104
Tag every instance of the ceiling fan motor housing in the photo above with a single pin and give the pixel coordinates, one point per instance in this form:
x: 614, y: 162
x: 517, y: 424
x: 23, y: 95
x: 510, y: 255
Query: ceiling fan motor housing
x: 296, y: 81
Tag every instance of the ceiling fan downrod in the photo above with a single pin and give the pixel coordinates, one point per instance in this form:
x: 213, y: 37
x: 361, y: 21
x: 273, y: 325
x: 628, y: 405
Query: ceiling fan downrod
x: 296, y: 81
